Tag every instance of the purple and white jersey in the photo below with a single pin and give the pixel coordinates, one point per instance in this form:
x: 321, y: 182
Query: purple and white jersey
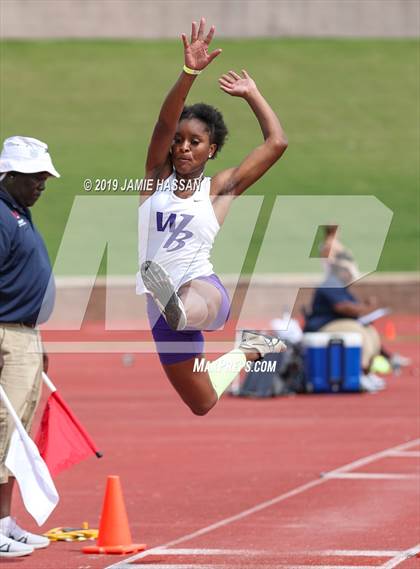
x: 178, y: 233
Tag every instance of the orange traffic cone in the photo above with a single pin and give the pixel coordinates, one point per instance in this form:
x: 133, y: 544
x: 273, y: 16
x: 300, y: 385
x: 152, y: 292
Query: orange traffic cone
x: 390, y: 332
x: 114, y: 532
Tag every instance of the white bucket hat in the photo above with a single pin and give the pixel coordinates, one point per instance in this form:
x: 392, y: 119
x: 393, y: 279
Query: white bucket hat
x: 26, y: 155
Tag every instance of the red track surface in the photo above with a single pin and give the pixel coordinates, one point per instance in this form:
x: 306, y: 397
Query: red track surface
x: 182, y: 473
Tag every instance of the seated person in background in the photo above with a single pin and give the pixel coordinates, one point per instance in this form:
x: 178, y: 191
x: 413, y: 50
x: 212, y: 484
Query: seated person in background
x: 335, y: 309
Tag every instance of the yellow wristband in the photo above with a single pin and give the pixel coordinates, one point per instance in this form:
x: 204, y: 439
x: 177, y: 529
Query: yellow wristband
x: 191, y: 71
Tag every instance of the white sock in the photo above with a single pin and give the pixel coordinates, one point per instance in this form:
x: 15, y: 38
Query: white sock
x: 5, y: 525
x: 224, y: 370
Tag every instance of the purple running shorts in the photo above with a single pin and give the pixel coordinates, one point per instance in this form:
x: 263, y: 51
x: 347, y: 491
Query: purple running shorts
x: 190, y: 342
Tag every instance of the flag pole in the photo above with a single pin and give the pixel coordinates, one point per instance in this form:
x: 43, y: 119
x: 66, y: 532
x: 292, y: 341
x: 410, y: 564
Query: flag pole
x: 12, y: 412
x: 48, y: 382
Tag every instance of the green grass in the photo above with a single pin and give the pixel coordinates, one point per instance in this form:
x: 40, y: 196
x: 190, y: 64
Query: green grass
x: 350, y: 109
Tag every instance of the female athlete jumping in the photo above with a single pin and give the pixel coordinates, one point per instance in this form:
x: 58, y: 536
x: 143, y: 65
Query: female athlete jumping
x: 179, y: 218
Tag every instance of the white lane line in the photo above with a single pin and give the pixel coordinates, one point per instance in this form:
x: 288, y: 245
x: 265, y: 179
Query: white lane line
x: 177, y: 566
x: 315, y: 567
x: 125, y: 565
x: 405, y: 454
x: 372, y: 457
x: 355, y: 553
x: 401, y: 557
x: 214, y: 552
x: 267, y: 503
x: 370, y: 476
x: 264, y: 552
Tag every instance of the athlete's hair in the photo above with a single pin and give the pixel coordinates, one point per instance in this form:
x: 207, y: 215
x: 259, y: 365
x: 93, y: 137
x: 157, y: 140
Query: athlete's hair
x: 212, y: 118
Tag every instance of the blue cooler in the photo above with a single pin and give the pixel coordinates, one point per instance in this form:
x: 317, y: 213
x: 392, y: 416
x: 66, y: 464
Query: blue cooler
x: 332, y: 361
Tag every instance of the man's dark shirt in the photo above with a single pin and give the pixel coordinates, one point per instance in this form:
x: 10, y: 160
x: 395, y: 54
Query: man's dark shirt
x: 331, y: 292
x: 27, y: 290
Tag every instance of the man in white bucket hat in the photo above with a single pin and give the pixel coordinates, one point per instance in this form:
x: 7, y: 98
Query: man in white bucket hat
x: 26, y: 299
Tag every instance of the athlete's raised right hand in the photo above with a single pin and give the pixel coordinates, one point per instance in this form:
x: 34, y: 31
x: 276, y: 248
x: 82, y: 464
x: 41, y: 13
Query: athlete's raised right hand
x: 196, y: 54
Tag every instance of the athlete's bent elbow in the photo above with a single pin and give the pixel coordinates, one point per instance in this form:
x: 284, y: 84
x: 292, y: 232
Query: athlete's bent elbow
x: 279, y: 145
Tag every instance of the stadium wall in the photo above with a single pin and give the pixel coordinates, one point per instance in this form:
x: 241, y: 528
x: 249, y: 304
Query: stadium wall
x: 30, y: 19
x: 266, y: 299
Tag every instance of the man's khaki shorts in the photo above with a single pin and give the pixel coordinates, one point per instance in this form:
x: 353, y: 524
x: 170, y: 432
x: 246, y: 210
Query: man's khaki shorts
x: 371, y: 342
x: 21, y: 378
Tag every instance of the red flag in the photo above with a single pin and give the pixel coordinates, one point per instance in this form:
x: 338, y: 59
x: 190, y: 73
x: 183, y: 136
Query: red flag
x: 61, y: 439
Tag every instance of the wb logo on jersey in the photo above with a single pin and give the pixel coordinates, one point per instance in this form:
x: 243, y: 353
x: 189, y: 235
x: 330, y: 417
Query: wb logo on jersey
x: 178, y: 232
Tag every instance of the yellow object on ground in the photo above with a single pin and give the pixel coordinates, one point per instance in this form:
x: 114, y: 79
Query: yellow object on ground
x: 72, y: 534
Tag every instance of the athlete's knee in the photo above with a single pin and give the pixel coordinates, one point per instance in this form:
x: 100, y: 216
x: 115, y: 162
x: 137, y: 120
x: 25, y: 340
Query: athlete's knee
x: 203, y: 407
